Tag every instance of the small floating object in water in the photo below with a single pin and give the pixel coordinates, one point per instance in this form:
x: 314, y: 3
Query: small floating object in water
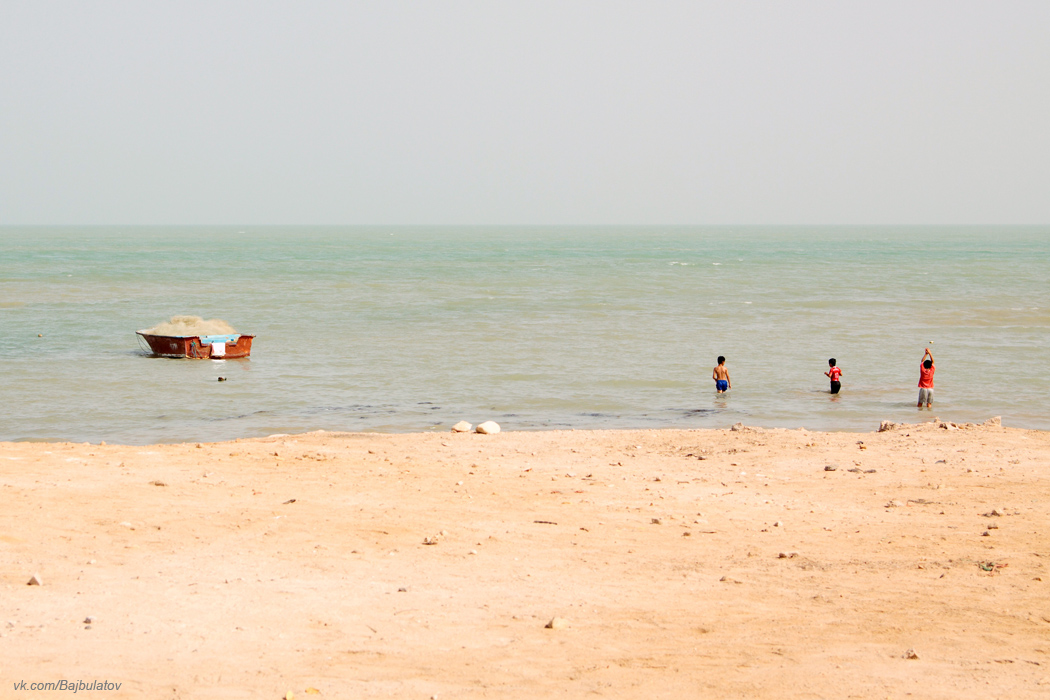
x: 222, y: 379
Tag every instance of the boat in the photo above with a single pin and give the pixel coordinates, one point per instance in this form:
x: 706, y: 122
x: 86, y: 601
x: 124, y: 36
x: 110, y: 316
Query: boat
x: 199, y: 347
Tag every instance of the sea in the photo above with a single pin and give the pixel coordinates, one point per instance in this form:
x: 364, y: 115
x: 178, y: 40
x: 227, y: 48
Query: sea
x: 412, y: 329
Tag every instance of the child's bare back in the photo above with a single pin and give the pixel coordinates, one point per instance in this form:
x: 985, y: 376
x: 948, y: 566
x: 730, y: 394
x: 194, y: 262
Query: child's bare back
x: 721, y: 376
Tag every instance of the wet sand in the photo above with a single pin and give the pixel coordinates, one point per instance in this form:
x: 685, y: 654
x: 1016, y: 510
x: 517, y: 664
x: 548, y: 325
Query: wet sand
x: 703, y: 563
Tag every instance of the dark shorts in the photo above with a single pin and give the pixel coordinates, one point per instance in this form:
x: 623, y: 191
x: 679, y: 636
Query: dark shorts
x: 721, y: 385
x: 835, y: 386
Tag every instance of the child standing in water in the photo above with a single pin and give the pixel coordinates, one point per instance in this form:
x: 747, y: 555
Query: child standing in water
x: 926, y: 370
x: 833, y: 374
x: 721, y: 376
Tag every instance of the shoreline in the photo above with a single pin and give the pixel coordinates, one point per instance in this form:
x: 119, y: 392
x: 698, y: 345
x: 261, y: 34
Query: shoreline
x: 753, y: 563
x: 995, y: 421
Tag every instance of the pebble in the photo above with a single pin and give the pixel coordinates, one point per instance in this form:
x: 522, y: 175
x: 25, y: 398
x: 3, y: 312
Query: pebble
x: 489, y: 427
x: 35, y: 581
x: 787, y: 555
x: 557, y: 623
x: 777, y: 524
x: 90, y: 619
x: 911, y: 654
x: 829, y: 468
x: 462, y: 427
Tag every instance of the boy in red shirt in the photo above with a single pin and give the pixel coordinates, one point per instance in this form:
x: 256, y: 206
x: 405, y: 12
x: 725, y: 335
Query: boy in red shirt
x: 926, y: 370
x: 833, y: 374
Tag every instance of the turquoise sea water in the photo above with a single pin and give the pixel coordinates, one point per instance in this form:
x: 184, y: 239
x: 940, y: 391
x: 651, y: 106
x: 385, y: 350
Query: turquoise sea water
x: 413, y: 329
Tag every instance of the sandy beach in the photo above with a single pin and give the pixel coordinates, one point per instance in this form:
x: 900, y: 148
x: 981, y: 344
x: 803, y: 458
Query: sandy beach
x: 742, y: 563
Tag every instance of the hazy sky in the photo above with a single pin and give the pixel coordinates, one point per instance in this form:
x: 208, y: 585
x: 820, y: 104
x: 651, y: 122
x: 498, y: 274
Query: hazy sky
x: 525, y: 112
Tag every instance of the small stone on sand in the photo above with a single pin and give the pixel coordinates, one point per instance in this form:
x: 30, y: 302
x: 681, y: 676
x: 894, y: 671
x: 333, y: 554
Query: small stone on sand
x: 489, y: 427
x: 35, y: 581
x: 557, y: 623
x: 462, y: 427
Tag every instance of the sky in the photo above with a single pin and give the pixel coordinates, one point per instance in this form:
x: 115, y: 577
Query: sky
x: 532, y: 112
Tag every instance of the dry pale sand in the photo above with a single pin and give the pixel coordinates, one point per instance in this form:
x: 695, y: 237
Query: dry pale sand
x: 300, y: 563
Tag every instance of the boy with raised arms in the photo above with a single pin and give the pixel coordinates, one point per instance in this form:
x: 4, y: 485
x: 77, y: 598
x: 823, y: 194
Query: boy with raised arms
x: 926, y: 370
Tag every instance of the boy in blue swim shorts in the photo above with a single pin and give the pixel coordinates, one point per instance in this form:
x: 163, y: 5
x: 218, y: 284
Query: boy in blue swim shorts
x: 721, y: 376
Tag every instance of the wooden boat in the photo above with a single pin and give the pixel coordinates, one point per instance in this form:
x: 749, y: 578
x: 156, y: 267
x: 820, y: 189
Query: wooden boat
x: 200, y: 347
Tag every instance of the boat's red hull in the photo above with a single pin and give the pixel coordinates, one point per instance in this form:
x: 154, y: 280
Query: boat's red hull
x: 193, y: 348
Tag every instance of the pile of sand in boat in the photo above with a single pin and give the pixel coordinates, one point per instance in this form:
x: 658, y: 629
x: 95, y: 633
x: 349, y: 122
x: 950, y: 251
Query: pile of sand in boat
x: 189, y: 326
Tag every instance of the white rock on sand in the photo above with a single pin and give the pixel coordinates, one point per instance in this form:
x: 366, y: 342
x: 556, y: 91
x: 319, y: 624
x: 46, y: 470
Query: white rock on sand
x: 462, y: 427
x: 488, y: 428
